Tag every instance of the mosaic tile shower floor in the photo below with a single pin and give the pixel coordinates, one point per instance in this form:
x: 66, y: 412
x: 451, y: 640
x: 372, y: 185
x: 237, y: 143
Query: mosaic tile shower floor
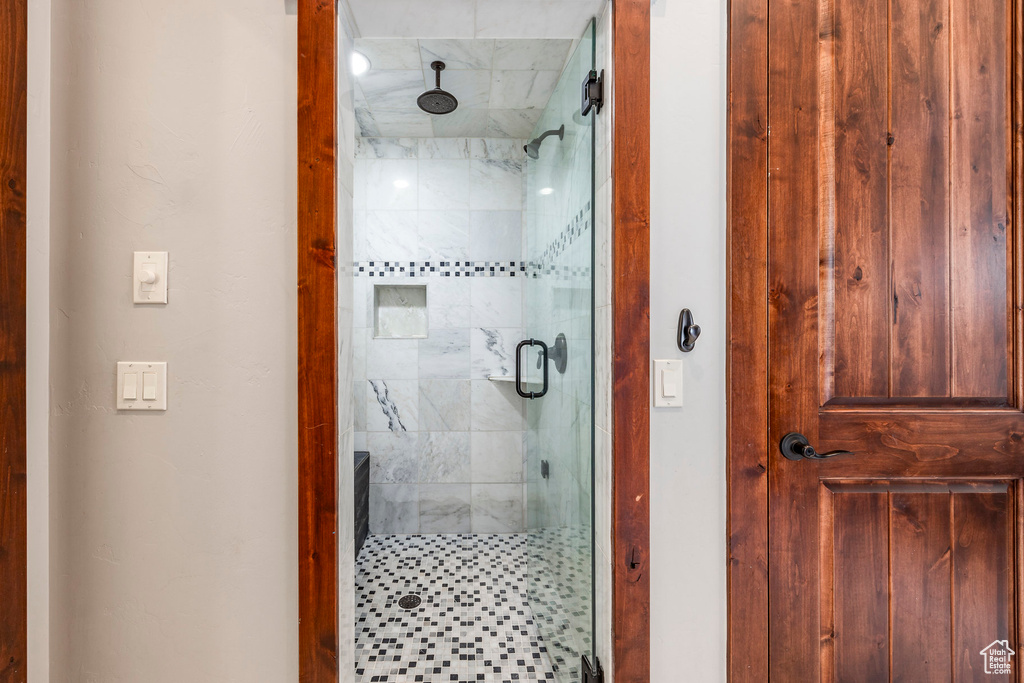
x: 474, y: 622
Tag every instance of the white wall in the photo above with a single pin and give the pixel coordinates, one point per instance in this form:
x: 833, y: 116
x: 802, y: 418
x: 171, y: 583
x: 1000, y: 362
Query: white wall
x: 688, y: 552
x: 173, y: 539
x: 38, y: 342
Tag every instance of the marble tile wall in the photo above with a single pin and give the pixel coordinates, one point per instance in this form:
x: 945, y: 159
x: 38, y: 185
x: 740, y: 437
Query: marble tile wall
x: 445, y: 441
x: 346, y: 359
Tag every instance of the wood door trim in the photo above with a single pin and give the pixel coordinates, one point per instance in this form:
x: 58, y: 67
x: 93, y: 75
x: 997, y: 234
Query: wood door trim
x: 747, y: 354
x: 317, y: 342
x: 318, y: 428
x: 13, y: 264
x: 631, y: 182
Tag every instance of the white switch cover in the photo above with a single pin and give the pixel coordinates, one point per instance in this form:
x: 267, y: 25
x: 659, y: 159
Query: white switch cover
x: 668, y: 384
x: 141, y: 386
x: 149, y: 280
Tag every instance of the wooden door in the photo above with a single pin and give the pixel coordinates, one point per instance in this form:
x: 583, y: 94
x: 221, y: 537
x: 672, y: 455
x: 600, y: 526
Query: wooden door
x: 894, y: 277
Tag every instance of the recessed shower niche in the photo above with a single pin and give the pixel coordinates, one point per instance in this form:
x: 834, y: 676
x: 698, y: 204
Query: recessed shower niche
x: 400, y: 311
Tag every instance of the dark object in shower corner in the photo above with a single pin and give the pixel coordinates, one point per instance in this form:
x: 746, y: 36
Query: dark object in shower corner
x: 545, y: 469
x: 362, y: 498
x: 437, y: 101
x: 532, y: 148
x: 592, y: 674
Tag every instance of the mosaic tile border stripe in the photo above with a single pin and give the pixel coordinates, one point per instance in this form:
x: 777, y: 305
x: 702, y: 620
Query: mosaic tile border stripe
x: 439, y: 268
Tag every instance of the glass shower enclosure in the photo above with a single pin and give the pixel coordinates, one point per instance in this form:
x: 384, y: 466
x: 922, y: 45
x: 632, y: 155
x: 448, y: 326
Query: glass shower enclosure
x: 557, y: 369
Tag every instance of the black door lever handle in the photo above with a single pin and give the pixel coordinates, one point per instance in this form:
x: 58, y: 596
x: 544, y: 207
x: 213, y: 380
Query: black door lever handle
x: 796, y: 447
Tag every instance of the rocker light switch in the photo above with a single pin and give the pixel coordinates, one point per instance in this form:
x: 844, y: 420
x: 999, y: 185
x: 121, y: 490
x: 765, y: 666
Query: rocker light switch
x: 141, y: 386
x: 668, y: 384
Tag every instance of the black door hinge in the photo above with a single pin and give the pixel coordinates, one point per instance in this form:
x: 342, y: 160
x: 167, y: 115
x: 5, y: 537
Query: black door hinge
x: 593, y: 93
x: 592, y: 674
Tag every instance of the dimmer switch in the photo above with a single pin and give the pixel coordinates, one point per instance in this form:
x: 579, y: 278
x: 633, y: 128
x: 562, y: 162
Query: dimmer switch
x: 149, y: 281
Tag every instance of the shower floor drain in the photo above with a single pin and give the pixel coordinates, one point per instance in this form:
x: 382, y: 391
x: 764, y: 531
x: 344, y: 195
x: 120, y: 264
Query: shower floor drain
x: 409, y: 602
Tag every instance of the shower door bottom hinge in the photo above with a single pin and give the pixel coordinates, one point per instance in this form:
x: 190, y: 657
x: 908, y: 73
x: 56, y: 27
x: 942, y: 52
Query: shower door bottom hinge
x: 592, y: 673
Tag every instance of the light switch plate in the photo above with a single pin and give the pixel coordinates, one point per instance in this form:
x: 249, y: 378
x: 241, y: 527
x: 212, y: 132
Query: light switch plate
x: 150, y: 264
x: 668, y: 384
x: 141, y: 385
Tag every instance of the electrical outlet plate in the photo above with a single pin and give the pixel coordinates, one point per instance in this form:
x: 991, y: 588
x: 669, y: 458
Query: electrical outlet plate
x: 141, y: 385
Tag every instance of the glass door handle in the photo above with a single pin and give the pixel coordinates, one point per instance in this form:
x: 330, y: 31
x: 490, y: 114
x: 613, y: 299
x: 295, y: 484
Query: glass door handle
x: 796, y: 447
x: 519, y: 368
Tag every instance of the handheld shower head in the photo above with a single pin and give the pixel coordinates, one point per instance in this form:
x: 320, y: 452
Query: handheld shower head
x: 532, y: 148
x: 437, y: 101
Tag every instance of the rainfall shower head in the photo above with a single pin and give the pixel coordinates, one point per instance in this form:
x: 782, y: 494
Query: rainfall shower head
x: 437, y: 101
x: 532, y: 148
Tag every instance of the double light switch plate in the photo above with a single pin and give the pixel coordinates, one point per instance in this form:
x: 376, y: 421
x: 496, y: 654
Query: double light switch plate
x: 141, y: 386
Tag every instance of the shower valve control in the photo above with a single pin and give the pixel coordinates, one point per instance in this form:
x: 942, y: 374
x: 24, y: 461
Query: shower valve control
x: 149, y: 283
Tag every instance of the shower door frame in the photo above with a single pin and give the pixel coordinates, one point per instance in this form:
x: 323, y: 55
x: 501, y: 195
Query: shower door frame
x: 318, y: 342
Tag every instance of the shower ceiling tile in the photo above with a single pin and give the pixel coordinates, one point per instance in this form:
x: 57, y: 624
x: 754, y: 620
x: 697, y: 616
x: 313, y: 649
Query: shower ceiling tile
x: 537, y: 55
x: 502, y: 85
x: 534, y: 18
x: 512, y: 123
x: 458, y: 54
x: 466, y: 123
x: 390, y: 53
x: 391, y: 89
x: 471, y: 88
x: 415, y: 18
x: 473, y: 18
x: 410, y: 123
x: 522, y: 89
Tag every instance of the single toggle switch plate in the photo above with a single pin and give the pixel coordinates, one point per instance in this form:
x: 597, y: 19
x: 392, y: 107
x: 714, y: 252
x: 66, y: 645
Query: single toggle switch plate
x: 149, y: 280
x: 141, y: 386
x: 668, y: 384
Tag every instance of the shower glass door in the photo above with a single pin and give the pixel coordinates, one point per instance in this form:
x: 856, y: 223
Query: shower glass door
x: 558, y: 311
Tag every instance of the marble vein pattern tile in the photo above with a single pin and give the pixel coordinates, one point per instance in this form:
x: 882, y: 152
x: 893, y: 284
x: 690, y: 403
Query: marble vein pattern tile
x: 497, y: 508
x: 493, y: 351
x: 444, y: 405
x: 495, y: 185
x: 530, y: 54
x: 458, y: 54
x: 394, y: 457
x: 445, y: 354
x: 392, y: 406
x: 394, y: 508
x: 444, y: 235
x: 444, y: 457
x: 445, y: 508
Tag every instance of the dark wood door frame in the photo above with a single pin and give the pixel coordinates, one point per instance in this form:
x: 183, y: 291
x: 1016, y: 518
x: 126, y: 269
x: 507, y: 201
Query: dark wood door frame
x: 13, y: 264
x: 747, y: 334
x: 631, y: 318
x: 318, y: 342
x: 317, y: 364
